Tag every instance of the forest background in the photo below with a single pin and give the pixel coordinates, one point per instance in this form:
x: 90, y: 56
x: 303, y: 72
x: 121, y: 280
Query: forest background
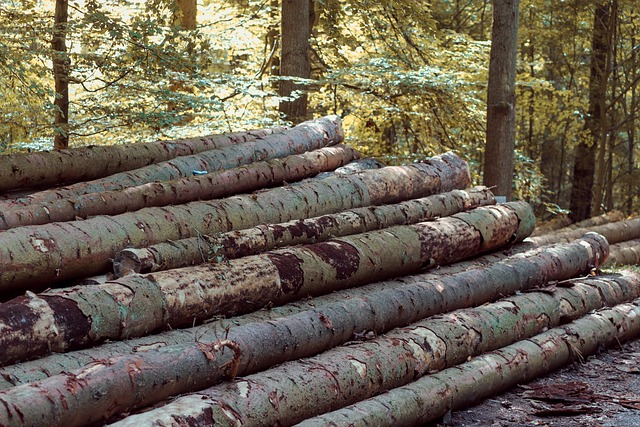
x: 408, y: 77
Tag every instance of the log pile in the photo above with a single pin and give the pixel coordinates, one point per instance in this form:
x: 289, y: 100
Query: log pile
x: 248, y: 275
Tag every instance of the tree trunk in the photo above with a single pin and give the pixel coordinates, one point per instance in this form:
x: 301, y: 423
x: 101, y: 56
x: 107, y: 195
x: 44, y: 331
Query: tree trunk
x: 136, y: 305
x: 46, y: 169
x: 304, y: 137
x: 585, y: 163
x: 387, y: 304
x: 614, y: 232
x: 609, y: 24
x: 61, y: 68
x: 157, y: 374
x: 362, y: 370
x: 455, y: 388
x: 501, y: 99
x: 264, y: 237
x: 624, y: 253
x: 186, y: 13
x: 45, y: 254
x: 295, y: 33
x: 206, y: 187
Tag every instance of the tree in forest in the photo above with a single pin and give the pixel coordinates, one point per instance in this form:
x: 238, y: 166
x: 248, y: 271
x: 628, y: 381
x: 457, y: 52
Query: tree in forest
x: 582, y: 192
x: 61, y: 66
x: 501, y: 99
x: 295, y: 33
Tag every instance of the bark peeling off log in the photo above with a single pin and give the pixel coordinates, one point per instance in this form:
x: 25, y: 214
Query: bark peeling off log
x: 136, y: 305
x: 303, y: 334
x: 398, y: 303
x: 196, y: 250
x: 210, y: 186
x: 85, y: 247
x: 51, y: 168
x: 458, y: 387
x: 345, y: 375
x: 307, y: 136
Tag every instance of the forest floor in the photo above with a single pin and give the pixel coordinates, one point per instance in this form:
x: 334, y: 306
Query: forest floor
x: 604, y: 391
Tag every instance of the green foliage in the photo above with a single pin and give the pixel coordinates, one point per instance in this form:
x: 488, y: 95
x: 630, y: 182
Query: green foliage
x: 409, y: 78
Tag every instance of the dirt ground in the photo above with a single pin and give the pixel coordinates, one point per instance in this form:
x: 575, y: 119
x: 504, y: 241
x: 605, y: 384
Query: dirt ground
x: 603, y: 392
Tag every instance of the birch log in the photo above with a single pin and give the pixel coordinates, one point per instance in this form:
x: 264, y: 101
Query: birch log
x: 213, y: 185
x: 264, y: 237
x: 45, y: 254
x: 86, y: 163
x: 143, y: 379
x: 137, y: 305
x: 380, y: 307
x: 306, y: 136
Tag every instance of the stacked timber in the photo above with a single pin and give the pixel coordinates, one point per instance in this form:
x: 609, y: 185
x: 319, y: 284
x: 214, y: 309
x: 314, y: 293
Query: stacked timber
x: 250, y: 274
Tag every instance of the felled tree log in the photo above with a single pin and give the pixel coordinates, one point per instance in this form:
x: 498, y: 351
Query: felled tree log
x: 380, y: 307
x: 80, y: 164
x: 205, y: 187
x: 45, y: 254
x: 306, y: 136
x: 563, y: 224
x: 615, y: 232
x: 458, y: 387
x: 147, y: 377
x: 136, y: 305
x: 624, y: 253
x: 348, y: 374
x: 264, y: 237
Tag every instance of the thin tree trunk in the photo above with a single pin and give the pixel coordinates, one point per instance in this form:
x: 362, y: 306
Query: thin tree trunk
x: 295, y: 32
x: 601, y: 137
x: 171, y: 370
x: 388, y: 304
x: 582, y: 191
x: 61, y: 69
x: 614, y: 232
x: 51, y: 253
x: 501, y: 99
x: 360, y: 371
x: 46, y: 169
x: 264, y: 237
x: 455, y: 388
x: 213, y: 185
x: 304, y: 137
x: 137, y: 305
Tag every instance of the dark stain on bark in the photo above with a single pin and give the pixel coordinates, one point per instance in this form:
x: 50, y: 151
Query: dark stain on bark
x: 290, y: 271
x: 342, y: 256
x: 204, y: 418
x: 70, y: 320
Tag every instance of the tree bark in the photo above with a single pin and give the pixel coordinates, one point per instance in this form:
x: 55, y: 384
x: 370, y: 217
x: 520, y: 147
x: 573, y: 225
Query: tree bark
x: 136, y: 305
x: 213, y: 185
x: 264, y: 237
x: 304, y: 137
x: 295, y: 33
x: 501, y: 99
x: 624, y: 253
x: 42, y: 255
x: 585, y: 163
x: 614, y: 232
x: 61, y: 69
x: 455, y: 388
x: 46, y: 169
x: 149, y: 376
x: 186, y: 14
x: 382, y: 306
x: 360, y: 371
